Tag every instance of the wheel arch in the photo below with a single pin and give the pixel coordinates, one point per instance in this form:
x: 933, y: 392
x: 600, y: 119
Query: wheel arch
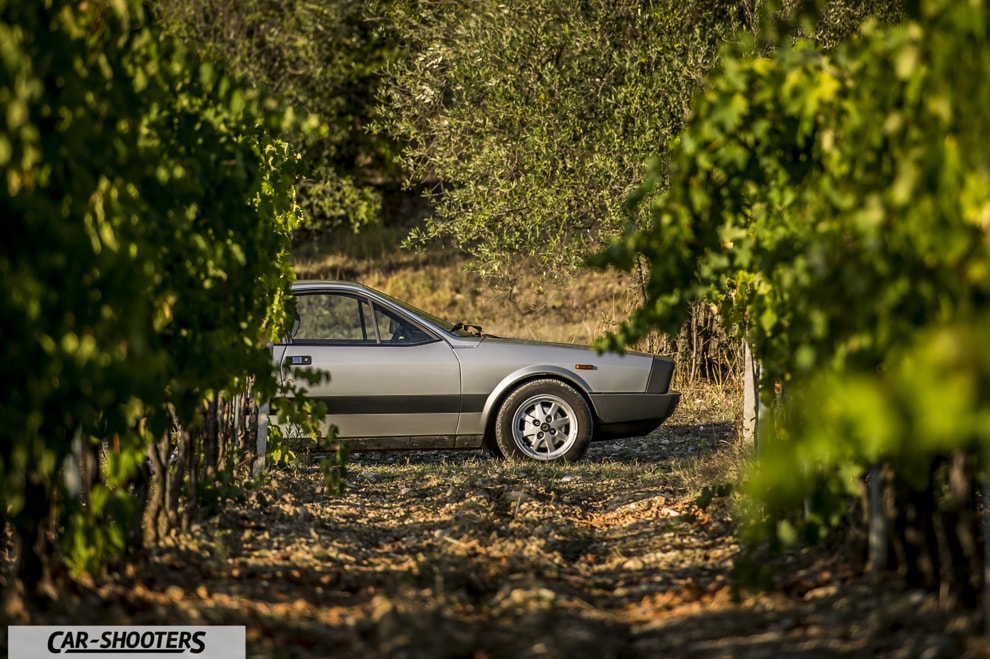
x: 529, y: 374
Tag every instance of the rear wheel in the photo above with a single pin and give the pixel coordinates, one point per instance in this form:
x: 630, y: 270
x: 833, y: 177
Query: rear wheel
x: 544, y: 420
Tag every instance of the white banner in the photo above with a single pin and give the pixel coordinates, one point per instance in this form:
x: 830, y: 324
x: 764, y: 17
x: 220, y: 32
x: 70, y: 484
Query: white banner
x: 125, y: 642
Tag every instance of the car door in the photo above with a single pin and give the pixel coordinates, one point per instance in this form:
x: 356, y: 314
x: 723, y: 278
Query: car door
x: 389, y: 376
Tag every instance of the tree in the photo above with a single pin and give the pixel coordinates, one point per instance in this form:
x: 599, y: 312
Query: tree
x: 148, y: 212
x: 835, y: 207
x: 533, y: 121
x: 323, y: 59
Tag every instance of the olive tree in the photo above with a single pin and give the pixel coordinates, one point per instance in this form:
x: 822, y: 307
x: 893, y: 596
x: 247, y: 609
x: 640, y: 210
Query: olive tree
x: 323, y: 58
x: 533, y: 121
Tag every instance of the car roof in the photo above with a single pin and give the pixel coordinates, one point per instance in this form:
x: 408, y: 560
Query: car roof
x: 307, y: 284
x: 313, y: 285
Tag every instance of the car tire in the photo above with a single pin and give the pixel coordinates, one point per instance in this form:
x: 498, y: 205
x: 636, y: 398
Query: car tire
x: 544, y: 420
x: 491, y: 447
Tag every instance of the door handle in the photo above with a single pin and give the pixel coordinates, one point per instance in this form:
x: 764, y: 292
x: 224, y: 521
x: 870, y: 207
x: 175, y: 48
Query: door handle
x: 298, y: 360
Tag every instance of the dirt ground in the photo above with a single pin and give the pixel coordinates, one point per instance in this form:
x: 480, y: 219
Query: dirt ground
x: 446, y: 554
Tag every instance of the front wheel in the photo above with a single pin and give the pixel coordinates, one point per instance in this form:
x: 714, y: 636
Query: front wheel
x: 544, y: 420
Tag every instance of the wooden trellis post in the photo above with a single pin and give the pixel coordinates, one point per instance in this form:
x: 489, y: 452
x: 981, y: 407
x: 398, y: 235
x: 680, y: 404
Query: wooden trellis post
x: 262, y: 445
x: 751, y: 398
x: 878, y: 523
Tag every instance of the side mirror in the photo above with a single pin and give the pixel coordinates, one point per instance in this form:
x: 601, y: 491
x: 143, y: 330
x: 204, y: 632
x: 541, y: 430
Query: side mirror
x: 295, y: 326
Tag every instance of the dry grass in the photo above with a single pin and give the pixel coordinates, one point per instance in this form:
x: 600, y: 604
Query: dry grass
x: 575, y: 309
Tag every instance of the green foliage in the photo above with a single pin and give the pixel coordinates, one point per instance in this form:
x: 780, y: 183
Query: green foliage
x: 323, y: 58
x: 837, y: 208
x: 279, y: 453
x: 711, y: 492
x: 930, y: 402
x: 811, y: 185
x: 298, y: 417
x: 97, y: 533
x: 334, y: 470
x: 826, y: 22
x: 213, y: 495
x: 147, y: 213
x: 533, y: 121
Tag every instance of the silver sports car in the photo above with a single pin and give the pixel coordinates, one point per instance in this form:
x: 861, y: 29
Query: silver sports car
x: 401, y: 378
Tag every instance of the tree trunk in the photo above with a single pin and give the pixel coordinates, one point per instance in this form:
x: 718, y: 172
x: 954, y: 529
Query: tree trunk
x: 156, y: 512
x: 964, y: 564
x: 914, y: 536
x: 31, y: 537
x: 173, y: 477
x: 210, y: 434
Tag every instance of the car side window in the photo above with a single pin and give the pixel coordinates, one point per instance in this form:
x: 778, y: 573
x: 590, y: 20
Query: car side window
x: 334, y: 318
x: 343, y: 319
x: 394, y: 329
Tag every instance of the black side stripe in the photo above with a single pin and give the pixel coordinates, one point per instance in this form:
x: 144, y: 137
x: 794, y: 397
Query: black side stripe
x: 437, y: 404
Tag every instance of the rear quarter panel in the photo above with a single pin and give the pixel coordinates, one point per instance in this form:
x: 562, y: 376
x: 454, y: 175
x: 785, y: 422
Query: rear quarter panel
x: 492, y: 368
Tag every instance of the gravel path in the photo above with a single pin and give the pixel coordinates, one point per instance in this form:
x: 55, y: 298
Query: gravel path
x: 447, y: 554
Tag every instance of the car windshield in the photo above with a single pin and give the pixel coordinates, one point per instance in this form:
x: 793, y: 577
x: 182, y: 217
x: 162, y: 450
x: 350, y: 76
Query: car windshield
x: 458, y: 329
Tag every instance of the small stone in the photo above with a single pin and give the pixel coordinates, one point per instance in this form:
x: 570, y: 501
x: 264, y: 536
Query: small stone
x: 517, y: 496
x: 633, y: 564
